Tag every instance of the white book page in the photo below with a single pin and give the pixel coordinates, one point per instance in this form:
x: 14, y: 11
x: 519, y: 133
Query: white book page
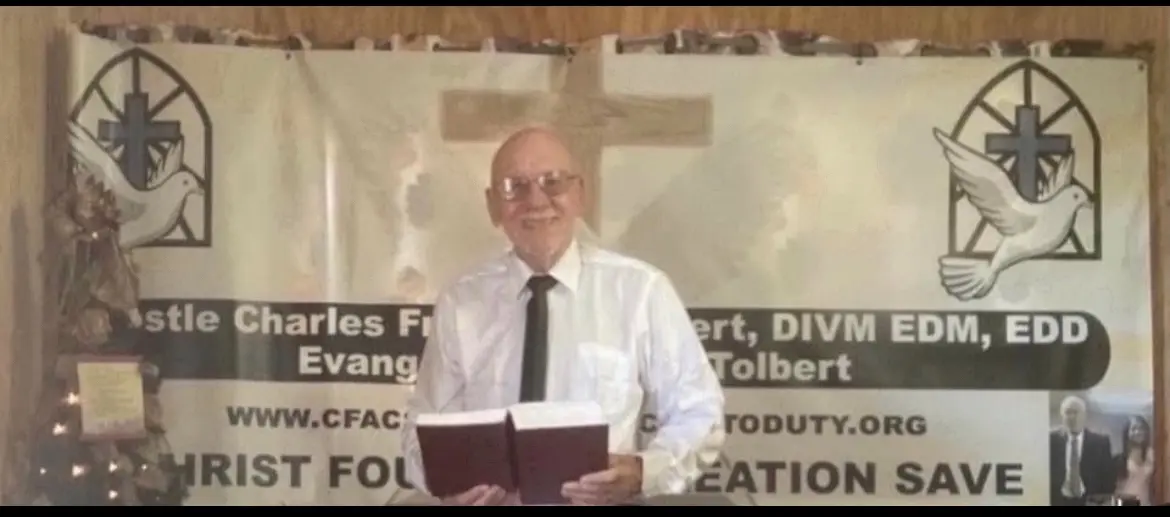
x: 458, y: 418
x: 547, y: 415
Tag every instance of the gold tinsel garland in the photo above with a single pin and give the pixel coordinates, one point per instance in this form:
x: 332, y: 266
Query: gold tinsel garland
x: 97, y: 304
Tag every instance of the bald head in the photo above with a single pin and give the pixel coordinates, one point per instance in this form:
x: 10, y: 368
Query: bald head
x: 533, y: 145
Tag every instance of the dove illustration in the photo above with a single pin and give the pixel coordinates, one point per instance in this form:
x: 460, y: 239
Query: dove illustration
x: 1028, y: 229
x: 144, y: 215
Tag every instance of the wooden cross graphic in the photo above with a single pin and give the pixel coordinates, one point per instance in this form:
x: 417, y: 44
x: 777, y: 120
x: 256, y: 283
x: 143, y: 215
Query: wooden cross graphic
x: 579, y: 108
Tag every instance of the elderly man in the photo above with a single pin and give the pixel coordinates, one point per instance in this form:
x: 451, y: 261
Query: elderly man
x: 556, y: 319
x: 1081, y: 461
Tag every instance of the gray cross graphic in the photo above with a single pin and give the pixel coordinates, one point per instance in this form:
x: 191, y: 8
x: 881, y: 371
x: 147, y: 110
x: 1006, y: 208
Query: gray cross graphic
x: 1028, y: 145
x: 136, y: 134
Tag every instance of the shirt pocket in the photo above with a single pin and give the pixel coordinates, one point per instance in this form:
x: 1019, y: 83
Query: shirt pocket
x: 486, y: 388
x: 482, y: 392
x: 609, y: 378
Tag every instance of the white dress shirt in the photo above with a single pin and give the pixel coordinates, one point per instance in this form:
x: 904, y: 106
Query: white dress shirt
x: 618, y: 335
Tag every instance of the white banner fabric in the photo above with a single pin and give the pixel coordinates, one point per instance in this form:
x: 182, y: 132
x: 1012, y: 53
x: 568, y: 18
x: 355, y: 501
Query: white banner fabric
x: 900, y: 267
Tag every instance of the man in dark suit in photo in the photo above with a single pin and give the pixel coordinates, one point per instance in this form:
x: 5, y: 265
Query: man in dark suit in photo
x: 1080, y: 460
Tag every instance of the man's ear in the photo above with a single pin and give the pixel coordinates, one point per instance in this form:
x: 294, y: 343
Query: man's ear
x: 582, y: 192
x: 493, y: 207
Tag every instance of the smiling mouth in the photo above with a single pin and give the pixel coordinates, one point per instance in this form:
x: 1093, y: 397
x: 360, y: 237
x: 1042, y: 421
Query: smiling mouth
x: 538, y: 223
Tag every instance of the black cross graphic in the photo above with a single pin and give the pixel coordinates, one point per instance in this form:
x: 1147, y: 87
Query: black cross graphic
x: 1028, y: 144
x: 136, y: 132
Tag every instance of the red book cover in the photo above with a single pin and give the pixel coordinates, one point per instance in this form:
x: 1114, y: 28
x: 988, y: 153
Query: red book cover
x: 531, y: 448
x: 463, y: 450
x: 554, y: 443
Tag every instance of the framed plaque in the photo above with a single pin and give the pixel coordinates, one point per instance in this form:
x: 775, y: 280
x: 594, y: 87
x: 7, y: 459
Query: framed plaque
x: 113, y: 406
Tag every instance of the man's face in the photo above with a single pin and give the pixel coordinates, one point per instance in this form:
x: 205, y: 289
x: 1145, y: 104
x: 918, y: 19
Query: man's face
x: 535, y: 197
x: 1073, y: 416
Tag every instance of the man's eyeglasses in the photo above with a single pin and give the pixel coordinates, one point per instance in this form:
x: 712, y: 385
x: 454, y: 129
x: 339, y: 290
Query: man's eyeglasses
x: 553, y: 183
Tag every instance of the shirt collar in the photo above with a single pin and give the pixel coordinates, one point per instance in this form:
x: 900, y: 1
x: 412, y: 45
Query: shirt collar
x: 567, y: 270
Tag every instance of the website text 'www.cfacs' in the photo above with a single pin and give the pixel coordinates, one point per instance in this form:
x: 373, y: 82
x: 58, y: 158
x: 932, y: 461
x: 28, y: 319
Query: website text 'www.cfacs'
x: 305, y: 418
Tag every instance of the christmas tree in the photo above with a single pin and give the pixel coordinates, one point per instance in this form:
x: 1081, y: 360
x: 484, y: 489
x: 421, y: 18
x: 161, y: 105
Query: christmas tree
x: 98, y: 316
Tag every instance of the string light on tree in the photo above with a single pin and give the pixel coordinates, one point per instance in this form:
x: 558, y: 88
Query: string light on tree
x: 98, y: 316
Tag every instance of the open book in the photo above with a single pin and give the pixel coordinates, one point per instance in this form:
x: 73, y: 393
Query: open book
x: 531, y: 448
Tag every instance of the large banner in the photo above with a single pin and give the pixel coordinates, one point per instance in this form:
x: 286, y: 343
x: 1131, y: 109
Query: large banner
x: 915, y: 277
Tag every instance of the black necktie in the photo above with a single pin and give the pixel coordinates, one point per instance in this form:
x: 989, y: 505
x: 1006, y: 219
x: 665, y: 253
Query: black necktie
x: 534, y: 372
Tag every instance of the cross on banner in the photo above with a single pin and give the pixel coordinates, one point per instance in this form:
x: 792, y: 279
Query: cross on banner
x: 135, y: 132
x: 1029, y: 145
x: 579, y: 108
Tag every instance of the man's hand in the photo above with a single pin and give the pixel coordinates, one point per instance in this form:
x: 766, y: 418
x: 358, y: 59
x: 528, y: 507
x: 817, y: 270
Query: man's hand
x: 618, y: 484
x: 482, y: 495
